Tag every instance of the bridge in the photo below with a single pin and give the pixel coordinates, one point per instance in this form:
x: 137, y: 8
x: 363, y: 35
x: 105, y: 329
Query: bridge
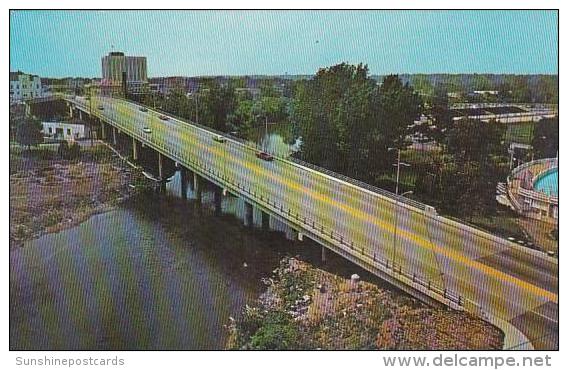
x: 403, y: 242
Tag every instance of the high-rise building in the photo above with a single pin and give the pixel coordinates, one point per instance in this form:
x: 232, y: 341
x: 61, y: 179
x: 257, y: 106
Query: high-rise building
x: 119, y: 69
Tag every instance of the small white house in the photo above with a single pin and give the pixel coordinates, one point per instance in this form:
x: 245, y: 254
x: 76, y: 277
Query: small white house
x: 64, y: 130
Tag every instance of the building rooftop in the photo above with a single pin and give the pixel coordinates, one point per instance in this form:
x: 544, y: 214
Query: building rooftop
x: 14, y: 75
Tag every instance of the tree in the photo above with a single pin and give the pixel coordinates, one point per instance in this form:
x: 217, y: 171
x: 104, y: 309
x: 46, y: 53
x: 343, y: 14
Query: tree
x: 475, y: 140
x: 519, y: 87
x: 332, y: 112
x: 421, y: 83
x: 545, y: 138
x: 216, y: 104
x: 463, y: 180
x: 348, y: 122
x: 395, y: 108
x: 29, y: 132
x: 546, y: 89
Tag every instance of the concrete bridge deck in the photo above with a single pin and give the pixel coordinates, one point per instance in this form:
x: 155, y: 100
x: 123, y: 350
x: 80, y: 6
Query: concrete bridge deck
x: 411, y: 247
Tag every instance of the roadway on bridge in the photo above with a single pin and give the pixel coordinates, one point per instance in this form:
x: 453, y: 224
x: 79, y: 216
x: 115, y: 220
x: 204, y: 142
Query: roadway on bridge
x: 503, y: 280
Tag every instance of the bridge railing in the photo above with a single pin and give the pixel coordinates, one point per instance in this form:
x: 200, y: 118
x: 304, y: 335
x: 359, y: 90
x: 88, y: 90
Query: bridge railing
x: 361, y: 252
x: 255, y: 146
x: 374, y: 189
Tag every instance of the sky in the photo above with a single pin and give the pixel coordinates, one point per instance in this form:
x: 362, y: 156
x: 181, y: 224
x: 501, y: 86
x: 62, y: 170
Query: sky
x: 197, y: 43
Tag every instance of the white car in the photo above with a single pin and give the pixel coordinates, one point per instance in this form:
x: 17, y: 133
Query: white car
x: 147, y: 130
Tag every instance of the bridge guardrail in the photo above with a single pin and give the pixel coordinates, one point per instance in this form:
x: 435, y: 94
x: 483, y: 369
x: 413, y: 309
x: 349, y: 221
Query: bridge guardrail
x: 417, y: 281
x: 374, y: 189
x: 254, y: 146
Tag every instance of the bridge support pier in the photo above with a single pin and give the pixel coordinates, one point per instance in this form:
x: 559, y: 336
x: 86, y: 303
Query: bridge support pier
x: 197, y: 186
x: 103, y: 130
x: 80, y: 115
x: 70, y: 111
x: 265, y: 221
x: 218, y: 194
x: 161, y: 173
x: 248, y: 214
x: 114, y: 141
x: 134, y: 149
x: 183, y: 181
x: 323, y: 255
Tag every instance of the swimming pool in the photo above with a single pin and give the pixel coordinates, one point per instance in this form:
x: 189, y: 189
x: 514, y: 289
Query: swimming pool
x: 548, y: 183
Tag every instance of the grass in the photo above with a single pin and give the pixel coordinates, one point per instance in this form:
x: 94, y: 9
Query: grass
x: 519, y: 133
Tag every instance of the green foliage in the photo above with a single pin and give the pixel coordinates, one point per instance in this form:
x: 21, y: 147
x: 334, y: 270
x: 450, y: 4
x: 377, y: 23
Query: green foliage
x: 216, y: 104
x: 423, y: 86
x: 347, y: 121
x: 440, y: 114
x: 278, y: 332
x: 545, y: 139
x: 474, y: 140
x: 462, y: 181
x: 28, y: 132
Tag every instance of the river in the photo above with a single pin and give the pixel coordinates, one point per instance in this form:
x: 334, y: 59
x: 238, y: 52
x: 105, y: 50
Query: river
x: 158, y: 272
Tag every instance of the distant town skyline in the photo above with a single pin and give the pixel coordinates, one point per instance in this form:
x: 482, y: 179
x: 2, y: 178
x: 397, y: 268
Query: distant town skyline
x: 199, y: 43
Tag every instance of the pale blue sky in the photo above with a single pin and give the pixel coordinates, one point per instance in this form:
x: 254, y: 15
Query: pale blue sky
x: 71, y: 43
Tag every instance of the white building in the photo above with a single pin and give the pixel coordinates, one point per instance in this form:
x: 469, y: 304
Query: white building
x: 64, y: 130
x: 24, y: 86
x: 116, y: 67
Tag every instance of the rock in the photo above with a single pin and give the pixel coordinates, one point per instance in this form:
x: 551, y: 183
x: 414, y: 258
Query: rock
x: 355, y: 278
x: 245, y: 264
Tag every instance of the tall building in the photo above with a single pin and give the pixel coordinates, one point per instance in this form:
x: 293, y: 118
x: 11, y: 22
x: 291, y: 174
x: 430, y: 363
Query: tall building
x: 119, y: 69
x: 24, y: 86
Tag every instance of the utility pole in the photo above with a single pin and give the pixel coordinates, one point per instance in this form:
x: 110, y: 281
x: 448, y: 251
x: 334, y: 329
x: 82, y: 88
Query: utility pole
x: 91, y: 114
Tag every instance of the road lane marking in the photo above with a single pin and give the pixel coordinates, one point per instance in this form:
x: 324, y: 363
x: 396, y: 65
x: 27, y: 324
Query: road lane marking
x: 454, y: 255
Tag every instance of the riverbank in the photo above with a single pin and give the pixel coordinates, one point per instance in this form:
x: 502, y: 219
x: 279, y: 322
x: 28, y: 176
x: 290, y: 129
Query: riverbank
x: 49, y: 194
x: 305, y: 307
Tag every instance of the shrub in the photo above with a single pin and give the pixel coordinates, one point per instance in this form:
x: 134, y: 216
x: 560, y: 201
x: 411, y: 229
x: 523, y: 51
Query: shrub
x: 278, y: 333
x: 67, y: 151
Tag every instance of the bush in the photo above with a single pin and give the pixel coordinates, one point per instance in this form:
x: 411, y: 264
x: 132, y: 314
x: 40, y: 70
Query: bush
x: 67, y: 151
x: 278, y: 333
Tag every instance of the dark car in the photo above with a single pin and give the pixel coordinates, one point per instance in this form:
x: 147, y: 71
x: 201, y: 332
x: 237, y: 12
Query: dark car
x: 164, y: 118
x: 100, y: 107
x: 143, y: 109
x: 264, y: 156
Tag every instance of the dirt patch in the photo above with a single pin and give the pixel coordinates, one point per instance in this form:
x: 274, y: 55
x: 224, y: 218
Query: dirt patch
x: 305, y: 307
x: 48, y: 194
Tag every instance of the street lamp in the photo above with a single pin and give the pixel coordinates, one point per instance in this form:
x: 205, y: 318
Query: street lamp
x: 195, y: 98
x: 397, y: 164
x: 265, y: 129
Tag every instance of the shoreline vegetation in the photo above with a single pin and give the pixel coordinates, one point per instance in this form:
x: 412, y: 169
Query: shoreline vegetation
x: 305, y: 307
x: 49, y: 194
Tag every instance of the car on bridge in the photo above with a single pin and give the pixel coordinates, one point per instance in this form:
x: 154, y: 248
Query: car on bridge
x: 143, y: 109
x: 100, y: 107
x: 219, y: 138
x: 264, y: 156
x: 147, y: 130
x: 164, y: 118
